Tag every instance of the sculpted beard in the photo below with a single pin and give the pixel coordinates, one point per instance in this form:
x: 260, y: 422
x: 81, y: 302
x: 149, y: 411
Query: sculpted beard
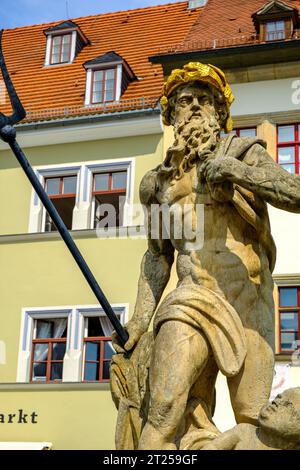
x: 196, y: 138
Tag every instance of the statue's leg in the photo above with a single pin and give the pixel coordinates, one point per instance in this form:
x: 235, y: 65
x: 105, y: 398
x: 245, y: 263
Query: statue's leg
x: 180, y: 354
x: 251, y: 388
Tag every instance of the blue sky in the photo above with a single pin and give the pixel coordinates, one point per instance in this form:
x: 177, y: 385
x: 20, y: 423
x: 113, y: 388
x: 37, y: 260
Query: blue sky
x: 15, y: 13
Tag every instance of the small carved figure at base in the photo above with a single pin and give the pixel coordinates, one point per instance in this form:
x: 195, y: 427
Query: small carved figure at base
x: 278, y: 429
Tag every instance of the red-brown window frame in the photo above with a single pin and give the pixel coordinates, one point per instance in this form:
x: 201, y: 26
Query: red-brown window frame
x: 104, y: 70
x: 287, y: 310
x: 110, y: 188
x: 60, y: 195
x: 61, y: 36
x: 294, y: 143
x: 276, y: 31
x: 48, y: 361
x: 101, y: 340
x: 239, y: 129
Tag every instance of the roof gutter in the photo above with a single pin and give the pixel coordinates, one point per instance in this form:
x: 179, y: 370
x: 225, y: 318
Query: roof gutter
x: 90, y: 119
x: 267, y: 49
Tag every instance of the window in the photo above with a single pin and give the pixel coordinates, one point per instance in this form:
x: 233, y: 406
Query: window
x: 78, y: 191
x: 61, y: 49
x: 275, y: 30
x: 103, y: 85
x: 107, y: 78
x: 289, y: 313
x: 98, y: 349
x: 48, y: 350
x: 288, y: 147
x: 109, y: 192
x: 64, y: 42
x: 62, y: 192
x: 66, y: 344
x: 245, y: 132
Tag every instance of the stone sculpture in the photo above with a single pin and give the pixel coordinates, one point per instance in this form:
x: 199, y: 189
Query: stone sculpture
x: 278, y: 428
x: 220, y: 316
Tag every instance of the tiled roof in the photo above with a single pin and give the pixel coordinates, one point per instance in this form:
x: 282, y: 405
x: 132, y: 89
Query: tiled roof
x: 134, y: 35
x: 221, y: 19
x: 224, y: 24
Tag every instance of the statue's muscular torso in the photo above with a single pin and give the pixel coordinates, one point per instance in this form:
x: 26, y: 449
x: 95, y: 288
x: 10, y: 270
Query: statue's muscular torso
x: 231, y: 261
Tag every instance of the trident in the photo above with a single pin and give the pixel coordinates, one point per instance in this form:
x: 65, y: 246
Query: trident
x: 8, y: 135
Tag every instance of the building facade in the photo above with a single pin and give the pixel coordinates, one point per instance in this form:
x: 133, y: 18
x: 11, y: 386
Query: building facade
x: 91, y: 88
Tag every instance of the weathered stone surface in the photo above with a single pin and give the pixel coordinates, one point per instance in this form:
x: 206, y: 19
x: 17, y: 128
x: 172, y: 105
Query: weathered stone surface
x: 278, y: 428
x: 220, y: 316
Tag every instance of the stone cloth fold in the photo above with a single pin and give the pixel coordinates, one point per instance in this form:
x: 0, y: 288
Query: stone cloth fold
x: 207, y: 311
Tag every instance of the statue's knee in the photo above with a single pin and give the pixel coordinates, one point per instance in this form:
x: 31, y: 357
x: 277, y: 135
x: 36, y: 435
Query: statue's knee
x: 166, y: 414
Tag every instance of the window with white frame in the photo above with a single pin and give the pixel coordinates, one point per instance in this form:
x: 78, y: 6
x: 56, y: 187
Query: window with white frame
x: 107, y: 78
x: 103, y: 87
x: 98, y: 349
x: 108, y: 193
x: 64, y: 42
x: 87, y: 196
x: 66, y: 344
x: 62, y: 192
x: 48, y: 350
x: 60, y: 48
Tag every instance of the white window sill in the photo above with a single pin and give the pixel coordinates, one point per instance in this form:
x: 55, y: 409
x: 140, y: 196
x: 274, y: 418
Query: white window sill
x: 26, y: 445
x: 60, y: 64
x: 55, y: 386
x: 119, y: 232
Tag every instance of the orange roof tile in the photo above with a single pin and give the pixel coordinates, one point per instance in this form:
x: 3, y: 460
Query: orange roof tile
x: 134, y: 35
x: 227, y: 21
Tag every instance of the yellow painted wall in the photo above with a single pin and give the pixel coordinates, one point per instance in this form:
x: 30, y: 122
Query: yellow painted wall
x: 15, y: 190
x: 42, y: 273
x: 70, y: 419
x: 37, y: 273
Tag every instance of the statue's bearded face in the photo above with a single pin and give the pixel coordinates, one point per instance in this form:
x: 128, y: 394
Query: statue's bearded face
x: 193, y: 103
x: 196, y: 113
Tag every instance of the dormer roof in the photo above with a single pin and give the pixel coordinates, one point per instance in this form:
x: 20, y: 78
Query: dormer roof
x: 65, y: 27
x: 274, y: 10
x: 274, y: 7
x: 109, y: 57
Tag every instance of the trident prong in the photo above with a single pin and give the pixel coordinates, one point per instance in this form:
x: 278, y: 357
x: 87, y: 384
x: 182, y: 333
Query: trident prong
x: 19, y: 112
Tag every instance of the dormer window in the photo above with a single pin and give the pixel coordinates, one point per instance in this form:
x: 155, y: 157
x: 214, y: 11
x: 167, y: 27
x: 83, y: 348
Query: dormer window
x: 275, y: 30
x: 64, y: 42
x: 107, y: 78
x: 275, y: 21
x: 104, y: 85
x: 61, y: 49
